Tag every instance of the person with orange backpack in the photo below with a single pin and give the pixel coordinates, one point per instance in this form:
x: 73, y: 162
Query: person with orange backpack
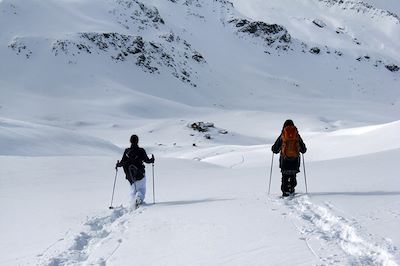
x: 289, y: 144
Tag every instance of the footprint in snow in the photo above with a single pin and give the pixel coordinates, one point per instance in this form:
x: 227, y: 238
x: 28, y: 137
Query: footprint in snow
x: 320, y: 222
x: 97, y: 229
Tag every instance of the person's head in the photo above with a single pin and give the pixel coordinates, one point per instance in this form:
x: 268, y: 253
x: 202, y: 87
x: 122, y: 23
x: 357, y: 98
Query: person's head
x: 134, y: 139
x: 288, y: 122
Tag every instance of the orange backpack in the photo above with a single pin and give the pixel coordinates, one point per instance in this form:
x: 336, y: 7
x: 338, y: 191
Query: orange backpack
x: 290, y: 142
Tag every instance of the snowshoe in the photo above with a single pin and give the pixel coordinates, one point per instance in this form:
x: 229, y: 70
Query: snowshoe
x: 138, y: 202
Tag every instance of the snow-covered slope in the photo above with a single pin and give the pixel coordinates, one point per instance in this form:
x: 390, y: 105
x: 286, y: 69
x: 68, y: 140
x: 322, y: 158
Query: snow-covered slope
x: 77, y: 78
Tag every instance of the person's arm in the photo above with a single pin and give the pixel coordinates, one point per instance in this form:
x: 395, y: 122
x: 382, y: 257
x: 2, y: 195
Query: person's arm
x: 123, y: 160
x: 146, y: 158
x: 277, y: 145
x: 303, y: 147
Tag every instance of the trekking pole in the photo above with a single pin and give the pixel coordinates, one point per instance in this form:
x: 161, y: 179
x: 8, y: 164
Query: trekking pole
x: 154, y: 195
x: 112, y: 197
x: 270, y: 173
x: 305, y: 176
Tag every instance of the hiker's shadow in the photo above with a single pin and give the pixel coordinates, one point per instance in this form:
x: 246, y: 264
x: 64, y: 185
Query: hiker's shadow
x: 189, y: 202
x: 361, y: 193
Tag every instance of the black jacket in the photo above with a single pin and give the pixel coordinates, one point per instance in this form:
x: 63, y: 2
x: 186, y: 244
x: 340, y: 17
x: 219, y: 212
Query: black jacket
x: 134, y: 156
x: 288, y: 165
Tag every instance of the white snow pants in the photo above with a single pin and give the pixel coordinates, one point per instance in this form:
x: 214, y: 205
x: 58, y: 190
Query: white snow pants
x: 138, y: 189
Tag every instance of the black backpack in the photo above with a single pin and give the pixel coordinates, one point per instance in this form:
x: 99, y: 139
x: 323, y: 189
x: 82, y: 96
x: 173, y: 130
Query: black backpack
x: 132, y: 170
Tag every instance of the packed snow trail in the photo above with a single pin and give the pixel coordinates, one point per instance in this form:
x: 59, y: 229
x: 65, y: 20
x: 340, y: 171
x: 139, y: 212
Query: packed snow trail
x: 106, y: 240
x: 330, y: 238
x: 76, y: 249
x: 333, y: 238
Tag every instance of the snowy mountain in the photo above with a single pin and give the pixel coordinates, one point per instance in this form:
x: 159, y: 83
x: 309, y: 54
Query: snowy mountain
x: 78, y: 77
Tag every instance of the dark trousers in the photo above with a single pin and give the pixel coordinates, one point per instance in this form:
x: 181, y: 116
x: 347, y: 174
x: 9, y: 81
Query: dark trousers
x: 289, y: 182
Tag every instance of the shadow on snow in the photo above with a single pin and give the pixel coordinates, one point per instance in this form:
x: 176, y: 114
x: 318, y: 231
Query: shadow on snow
x: 361, y: 193
x: 187, y: 202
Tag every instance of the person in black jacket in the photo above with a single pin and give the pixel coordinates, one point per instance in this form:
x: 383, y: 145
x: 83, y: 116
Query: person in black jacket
x: 290, y: 165
x: 132, y: 163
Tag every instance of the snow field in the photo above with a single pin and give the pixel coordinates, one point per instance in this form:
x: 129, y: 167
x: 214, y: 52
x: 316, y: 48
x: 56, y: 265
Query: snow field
x: 65, y: 120
x: 238, y: 223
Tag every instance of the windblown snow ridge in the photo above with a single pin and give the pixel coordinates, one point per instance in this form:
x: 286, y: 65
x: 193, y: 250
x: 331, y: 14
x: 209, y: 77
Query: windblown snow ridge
x: 362, y: 7
x: 19, y: 138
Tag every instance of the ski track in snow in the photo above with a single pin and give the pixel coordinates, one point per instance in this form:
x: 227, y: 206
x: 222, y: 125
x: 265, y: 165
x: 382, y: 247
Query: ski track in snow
x: 97, y: 231
x: 334, y: 239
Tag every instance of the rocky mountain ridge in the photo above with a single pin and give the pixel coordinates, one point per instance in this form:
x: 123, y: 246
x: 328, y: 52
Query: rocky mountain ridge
x: 166, y: 49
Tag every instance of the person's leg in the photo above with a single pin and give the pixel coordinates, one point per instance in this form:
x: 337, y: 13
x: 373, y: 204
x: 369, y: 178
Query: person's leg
x: 141, y: 189
x: 292, y: 183
x: 285, y: 184
x: 132, y: 192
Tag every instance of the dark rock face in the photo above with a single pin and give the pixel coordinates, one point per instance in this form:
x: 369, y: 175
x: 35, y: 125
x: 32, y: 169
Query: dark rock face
x: 135, y: 14
x: 315, y: 50
x: 224, y: 2
x: 192, y: 3
x: 271, y: 33
x: 339, y: 53
x: 319, y: 23
x: 392, y: 67
x: 168, y: 52
x: 356, y: 41
x: 202, y: 126
x: 363, y: 58
x: 20, y: 48
x: 149, y: 55
x: 208, y: 128
x: 339, y: 30
x: 120, y: 47
x: 163, y: 53
x: 259, y: 28
x: 198, y: 57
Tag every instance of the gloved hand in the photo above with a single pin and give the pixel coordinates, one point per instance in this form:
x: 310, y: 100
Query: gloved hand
x: 117, y: 165
x: 272, y: 149
x: 152, y: 158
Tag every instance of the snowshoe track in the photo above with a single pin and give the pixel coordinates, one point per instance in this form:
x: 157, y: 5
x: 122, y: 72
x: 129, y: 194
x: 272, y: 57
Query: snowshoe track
x: 75, y: 249
x: 334, y: 239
